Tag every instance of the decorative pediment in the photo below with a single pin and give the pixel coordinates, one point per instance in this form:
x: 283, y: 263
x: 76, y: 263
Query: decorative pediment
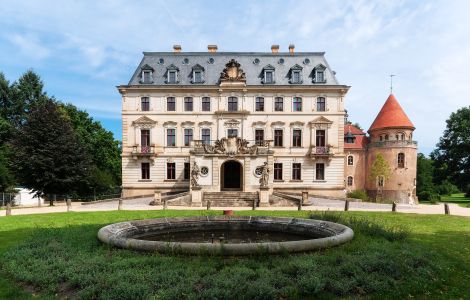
x: 269, y: 67
x: 320, y: 67
x: 297, y: 124
x: 277, y: 124
x: 205, y: 123
x: 197, y: 67
x: 321, y: 123
x: 144, y: 121
x: 169, y: 123
x: 232, y: 123
x: 296, y: 67
x: 172, y: 67
x: 187, y: 124
x: 146, y: 67
x: 232, y: 72
x: 259, y: 123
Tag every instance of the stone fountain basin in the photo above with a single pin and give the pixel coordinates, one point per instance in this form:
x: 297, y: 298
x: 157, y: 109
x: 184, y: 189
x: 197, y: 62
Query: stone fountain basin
x: 315, y: 234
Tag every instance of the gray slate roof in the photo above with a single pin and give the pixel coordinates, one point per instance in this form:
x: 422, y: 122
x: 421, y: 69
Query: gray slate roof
x: 253, y: 71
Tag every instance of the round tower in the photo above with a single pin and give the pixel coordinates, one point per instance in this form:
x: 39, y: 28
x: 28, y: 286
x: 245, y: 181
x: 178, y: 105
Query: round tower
x: 391, y: 136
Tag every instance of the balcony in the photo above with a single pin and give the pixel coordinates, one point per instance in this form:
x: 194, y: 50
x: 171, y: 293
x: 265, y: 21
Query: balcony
x: 143, y: 152
x: 320, y: 152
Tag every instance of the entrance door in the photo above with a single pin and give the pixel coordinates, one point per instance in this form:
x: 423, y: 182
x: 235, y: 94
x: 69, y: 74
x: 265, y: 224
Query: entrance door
x: 231, y: 175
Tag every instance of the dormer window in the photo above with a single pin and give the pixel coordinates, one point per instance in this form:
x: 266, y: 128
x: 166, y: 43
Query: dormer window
x: 198, y: 74
x: 319, y: 74
x: 146, y: 76
x: 172, y: 74
x: 268, y: 75
x: 296, y: 74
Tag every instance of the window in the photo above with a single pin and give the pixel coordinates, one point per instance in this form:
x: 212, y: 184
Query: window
x: 146, y: 76
x: 350, y: 160
x: 259, y: 137
x: 278, y: 137
x: 320, y: 76
x: 350, y: 181
x: 320, y: 138
x: 297, y: 104
x: 145, y: 140
x: 197, y: 77
x: 206, y: 136
x: 171, y: 137
x: 296, y: 171
x: 206, y: 104
x: 232, y: 132
x: 145, y: 103
x: 188, y: 104
x: 232, y: 103
x: 145, y: 170
x: 170, y: 104
x: 401, y: 160
x: 188, y: 136
x: 172, y: 76
x: 296, y: 138
x: 259, y: 104
x: 170, y: 171
x: 381, y: 138
x: 386, y: 137
x: 277, y: 171
x: 321, y: 104
x: 186, y: 171
x: 269, y: 76
x: 320, y: 171
x: 380, y: 181
x: 296, y: 76
x: 278, y: 104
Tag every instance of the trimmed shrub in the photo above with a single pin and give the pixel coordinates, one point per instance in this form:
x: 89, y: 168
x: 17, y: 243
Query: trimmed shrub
x: 429, y: 196
x: 357, y: 194
x: 447, y: 188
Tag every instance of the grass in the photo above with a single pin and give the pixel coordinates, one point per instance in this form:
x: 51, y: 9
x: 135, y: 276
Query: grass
x: 459, y: 198
x: 391, y: 256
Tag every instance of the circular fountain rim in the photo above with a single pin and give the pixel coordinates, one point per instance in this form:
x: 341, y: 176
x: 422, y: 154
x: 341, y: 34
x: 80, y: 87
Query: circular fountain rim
x: 120, y: 235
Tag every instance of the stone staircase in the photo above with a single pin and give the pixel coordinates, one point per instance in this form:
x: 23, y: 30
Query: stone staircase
x: 229, y: 199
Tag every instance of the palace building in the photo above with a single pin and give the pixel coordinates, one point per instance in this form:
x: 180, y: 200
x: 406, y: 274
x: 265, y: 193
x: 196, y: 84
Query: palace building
x: 225, y: 126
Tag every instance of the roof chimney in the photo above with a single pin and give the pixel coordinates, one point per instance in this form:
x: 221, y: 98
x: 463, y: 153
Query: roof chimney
x: 275, y: 49
x: 176, y: 48
x: 212, y: 48
x: 291, y: 48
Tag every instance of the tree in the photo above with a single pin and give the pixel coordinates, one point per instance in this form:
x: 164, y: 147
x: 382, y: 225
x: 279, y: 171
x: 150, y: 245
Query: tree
x: 380, y: 170
x: 5, y: 101
x: 7, y: 179
x: 49, y: 158
x: 425, y: 173
x: 103, y: 149
x: 452, y: 156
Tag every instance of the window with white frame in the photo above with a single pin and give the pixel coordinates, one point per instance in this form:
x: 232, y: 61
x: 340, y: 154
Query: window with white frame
x: 171, y: 137
x: 321, y: 104
x: 171, y: 104
x: 277, y: 171
x: 350, y: 160
x: 320, y: 171
x: 319, y: 74
x: 278, y: 138
x: 296, y: 171
x: 206, y: 104
x: 146, y: 76
x: 188, y: 136
x: 296, y: 76
x: 297, y: 104
x: 232, y: 132
x: 259, y: 104
x: 171, y: 171
x: 259, y: 137
x: 145, y: 103
x: 268, y: 76
x: 296, y: 138
x: 186, y: 171
x: 232, y: 104
x: 145, y: 170
x: 188, y: 103
x: 278, y: 104
x: 206, y: 136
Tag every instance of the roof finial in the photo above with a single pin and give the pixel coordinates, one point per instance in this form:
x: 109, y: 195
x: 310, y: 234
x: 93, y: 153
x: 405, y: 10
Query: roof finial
x: 391, y: 83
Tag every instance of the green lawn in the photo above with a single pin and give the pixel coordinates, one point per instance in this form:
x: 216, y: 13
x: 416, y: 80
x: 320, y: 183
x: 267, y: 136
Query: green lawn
x: 457, y: 198
x: 58, y: 255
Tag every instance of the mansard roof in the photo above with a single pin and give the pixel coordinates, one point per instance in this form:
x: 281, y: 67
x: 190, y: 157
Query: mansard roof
x: 252, y: 64
x: 391, y: 115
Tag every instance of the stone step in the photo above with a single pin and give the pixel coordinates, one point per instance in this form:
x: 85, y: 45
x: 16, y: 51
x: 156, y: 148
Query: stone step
x: 220, y: 199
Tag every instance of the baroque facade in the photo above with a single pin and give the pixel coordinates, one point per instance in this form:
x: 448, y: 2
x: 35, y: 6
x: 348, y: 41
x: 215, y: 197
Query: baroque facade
x: 242, y: 122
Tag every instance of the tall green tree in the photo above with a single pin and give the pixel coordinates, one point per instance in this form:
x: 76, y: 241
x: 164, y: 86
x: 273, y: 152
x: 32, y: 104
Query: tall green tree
x: 5, y: 100
x: 452, y: 156
x: 103, y: 149
x: 425, y: 174
x: 49, y: 157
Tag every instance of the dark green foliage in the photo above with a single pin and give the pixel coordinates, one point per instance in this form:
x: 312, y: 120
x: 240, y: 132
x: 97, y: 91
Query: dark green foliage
x: 7, y: 178
x: 358, y: 194
x: 102, y: 148
x: 49, y: 158
x: 447, y: 188
x: 424, y: 177
x: 453, y: 150
x: 467, y: 191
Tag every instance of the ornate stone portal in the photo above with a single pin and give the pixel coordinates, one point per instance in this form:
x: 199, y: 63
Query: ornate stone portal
x: 232, y: 146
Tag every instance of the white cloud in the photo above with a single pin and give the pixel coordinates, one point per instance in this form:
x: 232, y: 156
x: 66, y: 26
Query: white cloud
x: 30, y: 46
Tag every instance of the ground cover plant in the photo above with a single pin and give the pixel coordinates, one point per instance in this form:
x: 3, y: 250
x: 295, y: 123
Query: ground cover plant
x: 391, y: 256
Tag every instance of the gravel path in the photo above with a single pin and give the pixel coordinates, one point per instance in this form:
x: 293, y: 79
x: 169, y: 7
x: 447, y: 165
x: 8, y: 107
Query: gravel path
x: 319, y: 204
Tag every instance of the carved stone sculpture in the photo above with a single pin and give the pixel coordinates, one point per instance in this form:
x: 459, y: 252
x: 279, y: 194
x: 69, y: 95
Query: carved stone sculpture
x: 195, y: 171
x: 263, y: 181
x: 231, y: 146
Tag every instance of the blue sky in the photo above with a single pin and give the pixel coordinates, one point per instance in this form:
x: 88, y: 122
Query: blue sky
x: 84, y: 49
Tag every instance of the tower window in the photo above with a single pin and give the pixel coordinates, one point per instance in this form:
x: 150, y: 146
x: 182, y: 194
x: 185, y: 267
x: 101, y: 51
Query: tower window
x: 350, y: 160
x: 401, y: 160
x: 350, y: 181
x: 380, y: 181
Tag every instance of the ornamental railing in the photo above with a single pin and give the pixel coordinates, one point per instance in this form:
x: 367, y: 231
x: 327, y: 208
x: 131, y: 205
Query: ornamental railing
x: 400, y: 143
x: 138, y: 151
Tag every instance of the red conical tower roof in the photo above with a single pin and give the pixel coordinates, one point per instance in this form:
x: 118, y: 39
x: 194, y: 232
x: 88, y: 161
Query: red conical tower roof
x: 391, y: 116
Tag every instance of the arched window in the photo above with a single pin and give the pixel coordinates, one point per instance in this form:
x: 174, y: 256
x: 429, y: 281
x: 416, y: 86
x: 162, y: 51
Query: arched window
x: 350, y: 181
x: 350, y: 160
x: 401, y: 160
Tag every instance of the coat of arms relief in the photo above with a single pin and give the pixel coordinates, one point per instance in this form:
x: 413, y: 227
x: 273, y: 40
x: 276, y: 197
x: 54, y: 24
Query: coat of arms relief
x: 231, y: 146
